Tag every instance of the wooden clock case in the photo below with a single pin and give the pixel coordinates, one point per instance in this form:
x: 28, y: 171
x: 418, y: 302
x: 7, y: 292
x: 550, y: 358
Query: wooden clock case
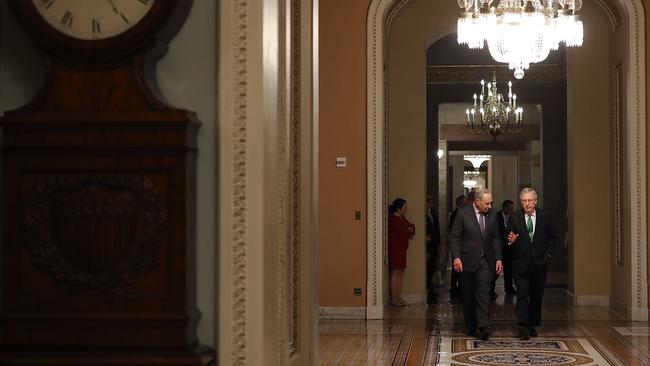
x: 99, y: 200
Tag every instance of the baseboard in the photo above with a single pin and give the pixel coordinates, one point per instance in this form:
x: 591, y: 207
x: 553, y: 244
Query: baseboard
x: 415, y: 298
x: 341, y: 312
x: 588, y: 300
x: 620, y: 309
x: 639, y: 314
x: 629, y: 312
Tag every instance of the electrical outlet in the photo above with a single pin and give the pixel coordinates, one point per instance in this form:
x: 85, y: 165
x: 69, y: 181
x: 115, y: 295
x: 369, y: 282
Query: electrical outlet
x: 357, y: 291
x: 357, y: 215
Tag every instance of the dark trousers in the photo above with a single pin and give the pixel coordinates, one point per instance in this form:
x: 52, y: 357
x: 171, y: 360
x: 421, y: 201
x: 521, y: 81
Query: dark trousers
x: 530, y: 292
x: 476, y: 288
x: 432, y: 259
x: 507, y: 271
x: 454, y: 287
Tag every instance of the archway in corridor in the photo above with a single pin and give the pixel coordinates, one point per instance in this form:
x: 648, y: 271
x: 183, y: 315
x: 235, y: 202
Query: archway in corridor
x: 628, y: 198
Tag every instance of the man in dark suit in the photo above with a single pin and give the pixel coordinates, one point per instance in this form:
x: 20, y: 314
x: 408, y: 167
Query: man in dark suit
x: 531, y: 238
x: 476, y: 251
x: 503, y: 216
x: 432, y: 243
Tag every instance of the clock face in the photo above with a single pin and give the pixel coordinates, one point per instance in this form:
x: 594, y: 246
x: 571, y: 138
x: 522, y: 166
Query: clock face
x: 93, y: 19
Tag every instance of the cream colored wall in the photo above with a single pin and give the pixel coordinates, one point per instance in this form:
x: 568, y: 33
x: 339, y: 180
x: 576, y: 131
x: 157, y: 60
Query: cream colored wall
x: 418, y: 24
x: 187, y: 78
x: 504, y: 179
x: 588, y: 145
x: 342, y: 43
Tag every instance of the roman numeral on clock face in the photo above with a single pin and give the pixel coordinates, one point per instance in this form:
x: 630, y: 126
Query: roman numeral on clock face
x: 47, y: 3
x: 67, y: 18
x: 96, y: 27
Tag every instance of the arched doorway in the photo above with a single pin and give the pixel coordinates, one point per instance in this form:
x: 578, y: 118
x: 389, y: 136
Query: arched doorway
x: 632, y: 202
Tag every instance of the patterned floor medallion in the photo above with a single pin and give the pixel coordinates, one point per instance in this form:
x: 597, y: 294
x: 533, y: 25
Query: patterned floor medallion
x: 425, y: 335
x: 509, y: 351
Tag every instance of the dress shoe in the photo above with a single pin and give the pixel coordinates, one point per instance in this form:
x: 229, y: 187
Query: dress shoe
x: 532, y: 331
x: 485, y: 333
x: 523, y: 333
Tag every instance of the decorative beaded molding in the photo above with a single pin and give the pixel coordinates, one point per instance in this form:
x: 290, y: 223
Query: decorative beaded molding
x: 283, y: 196
x: 636, y: 156
x: 296, y: 111
x: 239, y: 36
x: 385, y: 166
x: 374, y: 154
x: 617, y: 109
x: 469, y: 74
x: 382, y: 10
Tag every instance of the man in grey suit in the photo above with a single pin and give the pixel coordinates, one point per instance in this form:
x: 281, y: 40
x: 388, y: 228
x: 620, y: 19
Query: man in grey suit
x: 531, y: 238
x: 476, y: 251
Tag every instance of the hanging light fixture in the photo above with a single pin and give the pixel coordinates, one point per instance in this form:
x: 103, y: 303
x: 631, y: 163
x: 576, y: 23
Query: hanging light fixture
x: 491, y: 114
x: 520, y: 32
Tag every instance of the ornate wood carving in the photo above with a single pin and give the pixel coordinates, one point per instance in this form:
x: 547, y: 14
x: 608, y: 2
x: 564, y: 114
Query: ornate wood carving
x: 95, y: 232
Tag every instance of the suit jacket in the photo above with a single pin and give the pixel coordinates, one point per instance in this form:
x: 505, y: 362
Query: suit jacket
x: 467, y: 242
x: 503, y: 230
x: 433, y: 228
x: 540, y: 250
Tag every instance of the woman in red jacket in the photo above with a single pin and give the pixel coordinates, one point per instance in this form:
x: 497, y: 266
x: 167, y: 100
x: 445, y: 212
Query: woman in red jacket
x: 400, y: 231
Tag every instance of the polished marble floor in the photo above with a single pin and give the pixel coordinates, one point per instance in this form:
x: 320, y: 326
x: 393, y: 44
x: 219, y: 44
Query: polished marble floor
x: 434, y: 335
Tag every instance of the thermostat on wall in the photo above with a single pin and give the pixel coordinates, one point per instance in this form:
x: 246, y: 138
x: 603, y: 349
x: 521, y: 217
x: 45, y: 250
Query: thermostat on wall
x: 341, y: 162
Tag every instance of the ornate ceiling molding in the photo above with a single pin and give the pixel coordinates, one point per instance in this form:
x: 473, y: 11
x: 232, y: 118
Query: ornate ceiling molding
x: 610, y: 11
x: 392, y: 12
x: 470, y: 74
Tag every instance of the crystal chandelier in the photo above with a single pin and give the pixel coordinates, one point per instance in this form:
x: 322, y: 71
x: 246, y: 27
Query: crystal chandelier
x: 496, y: 116
x: 520, y: 32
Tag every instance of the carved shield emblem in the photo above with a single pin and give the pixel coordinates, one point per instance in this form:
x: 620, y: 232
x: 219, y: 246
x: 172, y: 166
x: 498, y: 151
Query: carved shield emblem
x: 94, y: 226
x: 95, y: 232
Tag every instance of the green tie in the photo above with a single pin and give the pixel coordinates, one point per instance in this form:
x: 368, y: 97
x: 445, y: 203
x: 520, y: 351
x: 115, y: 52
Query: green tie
x: 529, y: 225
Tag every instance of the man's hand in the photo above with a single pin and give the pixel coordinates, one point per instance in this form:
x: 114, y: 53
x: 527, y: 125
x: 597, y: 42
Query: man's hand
x: 512, y: 238
x: 499, y: 267
x: 458, y: 265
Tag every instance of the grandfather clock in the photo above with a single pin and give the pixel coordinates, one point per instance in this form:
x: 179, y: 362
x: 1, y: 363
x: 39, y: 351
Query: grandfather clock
x: 99, y: 193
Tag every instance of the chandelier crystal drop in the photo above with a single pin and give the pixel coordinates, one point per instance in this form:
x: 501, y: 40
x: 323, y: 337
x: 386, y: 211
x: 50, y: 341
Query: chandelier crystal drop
x: 520, y: 32
x: 491, y: 114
